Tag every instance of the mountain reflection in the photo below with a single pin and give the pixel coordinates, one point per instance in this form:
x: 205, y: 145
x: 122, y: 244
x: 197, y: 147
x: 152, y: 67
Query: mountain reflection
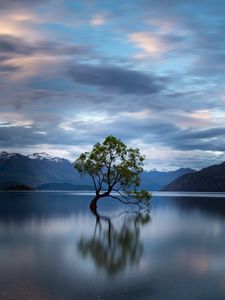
x: 116, y: 242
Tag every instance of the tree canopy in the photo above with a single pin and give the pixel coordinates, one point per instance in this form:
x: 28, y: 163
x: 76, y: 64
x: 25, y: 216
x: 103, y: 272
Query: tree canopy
x: 115, y: 170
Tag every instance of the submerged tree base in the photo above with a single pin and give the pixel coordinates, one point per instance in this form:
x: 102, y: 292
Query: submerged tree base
x: 93, y: 204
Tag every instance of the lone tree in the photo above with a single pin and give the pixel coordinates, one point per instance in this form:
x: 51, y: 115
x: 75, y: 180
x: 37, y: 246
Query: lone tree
x: 115, y: 170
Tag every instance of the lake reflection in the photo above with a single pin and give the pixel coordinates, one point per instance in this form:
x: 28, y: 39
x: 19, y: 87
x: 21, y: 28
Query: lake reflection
x: 116, y: 241
x: 53, y: 247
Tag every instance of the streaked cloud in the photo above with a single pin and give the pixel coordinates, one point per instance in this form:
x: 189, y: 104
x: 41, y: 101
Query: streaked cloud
x: 201, y: 114
x: 137, y: 114
x: 14, y: 119
x: 116, y: 79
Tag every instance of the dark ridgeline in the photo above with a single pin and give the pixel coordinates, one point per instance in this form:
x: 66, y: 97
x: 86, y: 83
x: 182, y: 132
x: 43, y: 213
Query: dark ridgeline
x: 156, y: 180
x: 37, y: 169
x: 58, y: 186
x: 210, y: 179
x: 42, y: 171
x: 17, y: 187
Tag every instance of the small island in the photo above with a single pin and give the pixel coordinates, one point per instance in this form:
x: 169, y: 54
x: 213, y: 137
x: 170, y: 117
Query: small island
x: 17, y: 187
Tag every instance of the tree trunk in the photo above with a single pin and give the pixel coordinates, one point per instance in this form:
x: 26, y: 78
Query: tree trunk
x: 93, y: 204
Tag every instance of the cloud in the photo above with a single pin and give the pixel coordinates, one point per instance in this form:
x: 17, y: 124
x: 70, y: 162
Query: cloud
x: 211, y: 139
x: 212, y: 64
x: 87, y: 130
x: 8, y: 68
x: 98, y: 20
x: 77, y: 93
x: 201, y: 114
x: 13, y: 45
x: 116, y: 79
x: 23, y: 59
x: 18, y: 4
x: 149, y: 43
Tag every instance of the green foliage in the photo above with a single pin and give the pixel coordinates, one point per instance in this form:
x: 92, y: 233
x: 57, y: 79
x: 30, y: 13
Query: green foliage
x: 115, y: 168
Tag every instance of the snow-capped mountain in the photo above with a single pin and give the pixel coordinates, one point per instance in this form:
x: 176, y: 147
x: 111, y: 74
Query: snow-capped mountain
x: 36, y: 169
x: 40, y: 168
x: 38, y: 156
x: 5, y: 155
x: 43, y: 155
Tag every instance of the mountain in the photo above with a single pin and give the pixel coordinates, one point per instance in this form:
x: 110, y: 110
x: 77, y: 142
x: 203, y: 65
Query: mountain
x: 54, y: 186
x: 53, y: 172
x: 158, y: 179
x: 210, y: 179
x: 37, y: 169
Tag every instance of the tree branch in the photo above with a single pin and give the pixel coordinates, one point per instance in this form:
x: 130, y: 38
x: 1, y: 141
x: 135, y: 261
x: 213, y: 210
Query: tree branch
x: 99, y: 182
x: 125, y: 197
x: 94, y: 183
x: 127, y: 202
x: 116, y: 180
x: 124, y: 202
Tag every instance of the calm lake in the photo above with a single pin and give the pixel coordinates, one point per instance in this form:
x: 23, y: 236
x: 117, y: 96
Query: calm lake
x: 53, y: 247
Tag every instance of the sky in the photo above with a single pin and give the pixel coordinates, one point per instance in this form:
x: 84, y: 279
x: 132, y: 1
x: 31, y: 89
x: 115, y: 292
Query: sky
x: 150, y: 72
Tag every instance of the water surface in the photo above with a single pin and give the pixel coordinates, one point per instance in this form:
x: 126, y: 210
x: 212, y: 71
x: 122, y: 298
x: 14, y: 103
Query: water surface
x: 53, y: 247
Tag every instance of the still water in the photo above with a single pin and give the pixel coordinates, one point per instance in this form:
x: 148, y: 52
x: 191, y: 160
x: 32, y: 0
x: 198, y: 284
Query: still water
x: 53, y: 247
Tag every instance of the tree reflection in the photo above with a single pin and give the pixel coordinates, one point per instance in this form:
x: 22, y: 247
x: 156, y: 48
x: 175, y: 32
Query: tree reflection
x: 116, y: 241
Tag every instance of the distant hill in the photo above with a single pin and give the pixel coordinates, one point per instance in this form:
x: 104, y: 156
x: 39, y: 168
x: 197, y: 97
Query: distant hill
x: 210, y: 179
x: 64, y: 187
x: 18, y: 187
x: 158, y: 179
x: 37, y: 169
x: 54, y: 173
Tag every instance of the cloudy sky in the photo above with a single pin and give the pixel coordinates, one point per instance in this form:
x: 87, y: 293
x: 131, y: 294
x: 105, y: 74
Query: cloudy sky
x: 149, y: 72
